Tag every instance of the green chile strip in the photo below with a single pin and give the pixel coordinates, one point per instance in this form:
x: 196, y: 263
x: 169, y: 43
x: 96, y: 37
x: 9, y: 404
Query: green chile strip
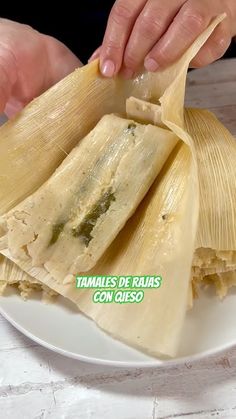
x: 56, y: 231
x: 86, y: 227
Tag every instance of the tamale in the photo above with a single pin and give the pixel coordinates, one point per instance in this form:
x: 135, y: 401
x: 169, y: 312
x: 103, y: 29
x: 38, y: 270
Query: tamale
x: 144, y: 112
x: 223, y: 282
x: 148, y: 244
x: 215, y: 255
x: 10, y: 274
x: 84, y: 205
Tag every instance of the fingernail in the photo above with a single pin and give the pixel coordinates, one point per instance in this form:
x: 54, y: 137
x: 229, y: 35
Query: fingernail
x: 150, y: 64
x: 127, y: 74
x: 108, y: 68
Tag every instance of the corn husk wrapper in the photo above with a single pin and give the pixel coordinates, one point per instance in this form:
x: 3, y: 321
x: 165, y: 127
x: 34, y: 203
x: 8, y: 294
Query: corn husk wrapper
x: 215, y: 148
x: 79, y: 211
x: 153, y: 240
x: 215, y: 256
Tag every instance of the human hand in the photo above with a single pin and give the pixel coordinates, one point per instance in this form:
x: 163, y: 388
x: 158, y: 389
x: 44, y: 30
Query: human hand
x: 30, y: 63
x: 156, y: 33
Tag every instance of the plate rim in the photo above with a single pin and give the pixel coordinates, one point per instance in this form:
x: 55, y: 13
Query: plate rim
x: 158, y: 363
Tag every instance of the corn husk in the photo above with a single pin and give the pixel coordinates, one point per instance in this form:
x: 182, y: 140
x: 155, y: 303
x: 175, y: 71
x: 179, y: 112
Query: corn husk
x: 215, y: 148
x: 80, y: 210
x: 161, y: 236
x: 215, y: 255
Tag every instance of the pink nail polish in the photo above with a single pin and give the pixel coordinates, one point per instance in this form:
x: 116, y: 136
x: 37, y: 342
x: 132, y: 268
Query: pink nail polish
x: 151, y: 65
x: 108, y: 68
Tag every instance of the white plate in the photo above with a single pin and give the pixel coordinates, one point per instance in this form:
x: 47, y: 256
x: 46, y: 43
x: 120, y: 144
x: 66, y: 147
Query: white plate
x: 209, y: 328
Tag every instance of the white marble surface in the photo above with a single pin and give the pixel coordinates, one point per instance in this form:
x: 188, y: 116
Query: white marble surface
x: 36, y: 383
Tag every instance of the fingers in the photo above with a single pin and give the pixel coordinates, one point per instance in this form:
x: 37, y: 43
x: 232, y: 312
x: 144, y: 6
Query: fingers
x: 12, y: 107
x: 122, y: 18
x: 215, y: 47
x: 60, y: 61
x: 191, y: 21
x: 151, y: 24
x: 29, y: 64
x: 156, y: 33
x: 8, y: 75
